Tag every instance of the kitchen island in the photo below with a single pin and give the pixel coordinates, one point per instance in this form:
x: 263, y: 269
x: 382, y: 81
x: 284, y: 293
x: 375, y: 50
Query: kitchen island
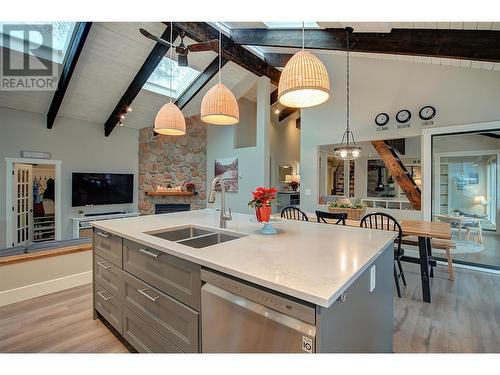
x: 176, y: 282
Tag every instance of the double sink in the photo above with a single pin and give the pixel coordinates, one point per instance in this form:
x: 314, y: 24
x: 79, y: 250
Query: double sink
x: 194, y: 236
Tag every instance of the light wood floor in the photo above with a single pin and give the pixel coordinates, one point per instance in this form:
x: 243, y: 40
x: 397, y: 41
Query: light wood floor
x: 464, y: 317
x: 59, y: 322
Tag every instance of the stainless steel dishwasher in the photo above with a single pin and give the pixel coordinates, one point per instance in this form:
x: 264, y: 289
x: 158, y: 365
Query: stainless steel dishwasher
x: 240, y: 318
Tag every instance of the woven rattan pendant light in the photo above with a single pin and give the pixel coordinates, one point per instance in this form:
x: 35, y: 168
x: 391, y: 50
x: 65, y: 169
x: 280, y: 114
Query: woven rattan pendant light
x: 169, y: 119
x: 304, y: 81
x: 219, y: 106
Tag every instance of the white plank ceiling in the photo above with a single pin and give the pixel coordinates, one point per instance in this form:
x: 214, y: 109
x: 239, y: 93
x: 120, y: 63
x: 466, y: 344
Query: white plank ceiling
x: 112, y: 56
x: 114, y: 53
x: 29, y: 101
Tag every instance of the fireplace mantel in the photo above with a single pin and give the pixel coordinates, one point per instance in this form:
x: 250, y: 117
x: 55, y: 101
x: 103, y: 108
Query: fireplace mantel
x: 171, y: 193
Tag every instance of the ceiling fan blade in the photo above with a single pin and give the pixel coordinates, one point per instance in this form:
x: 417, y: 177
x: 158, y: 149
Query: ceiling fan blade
x: 147, y: 34
x: 211, y: 45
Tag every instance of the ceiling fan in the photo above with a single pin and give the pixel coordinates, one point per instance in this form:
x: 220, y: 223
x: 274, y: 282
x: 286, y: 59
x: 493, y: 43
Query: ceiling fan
x: 183, y: 50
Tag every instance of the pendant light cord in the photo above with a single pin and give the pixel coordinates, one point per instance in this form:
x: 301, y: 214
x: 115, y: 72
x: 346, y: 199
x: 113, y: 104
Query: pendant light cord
x: 171, y: 57
x: 220, y: 49
x: 347, y: 88
x: 303, y: 35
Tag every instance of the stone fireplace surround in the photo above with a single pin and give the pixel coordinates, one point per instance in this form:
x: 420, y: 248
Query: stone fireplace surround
x: 173, y: 160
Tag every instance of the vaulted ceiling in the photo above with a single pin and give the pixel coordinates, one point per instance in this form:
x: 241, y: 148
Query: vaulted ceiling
x: 114, y: 53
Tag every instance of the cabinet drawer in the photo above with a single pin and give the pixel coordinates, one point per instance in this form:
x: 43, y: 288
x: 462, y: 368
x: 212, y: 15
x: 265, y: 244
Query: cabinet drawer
x: 109, y: 307
x: 108, y: 246
x: 176, y: 277
x: 143, y: 337
x: 109, y: 276
x: 171, y: 318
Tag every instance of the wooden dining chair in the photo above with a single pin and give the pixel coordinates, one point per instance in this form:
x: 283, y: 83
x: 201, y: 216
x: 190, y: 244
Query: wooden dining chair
x: 321, y: 216
x: 383, y: 221
x: 293, y: 213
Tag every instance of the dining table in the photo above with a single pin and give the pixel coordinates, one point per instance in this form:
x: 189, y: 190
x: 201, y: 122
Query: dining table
x: 424, y: 231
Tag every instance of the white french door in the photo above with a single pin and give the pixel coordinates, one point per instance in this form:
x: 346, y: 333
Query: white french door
x: 22, y: 209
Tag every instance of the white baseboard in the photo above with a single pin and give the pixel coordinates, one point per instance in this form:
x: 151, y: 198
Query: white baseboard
x: 11, y: 296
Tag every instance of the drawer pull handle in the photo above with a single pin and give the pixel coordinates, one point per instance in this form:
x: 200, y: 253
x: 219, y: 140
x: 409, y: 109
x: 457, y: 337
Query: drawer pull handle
x: 104, y: 298
x: 104, y: 266
x: 102, y: 234
x: 148, y: 252
x: 152, y: 299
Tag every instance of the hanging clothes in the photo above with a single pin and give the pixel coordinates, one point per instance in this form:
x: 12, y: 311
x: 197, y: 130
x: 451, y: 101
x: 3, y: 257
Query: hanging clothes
x: 38, y: 209
x: 49, y: 196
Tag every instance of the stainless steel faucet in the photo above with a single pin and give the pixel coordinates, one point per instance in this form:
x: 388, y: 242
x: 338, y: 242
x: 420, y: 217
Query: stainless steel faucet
x: 224, y: 216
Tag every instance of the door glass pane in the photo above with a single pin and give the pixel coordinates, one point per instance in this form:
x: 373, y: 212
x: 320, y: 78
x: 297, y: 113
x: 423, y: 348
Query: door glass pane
x: 464, y: 193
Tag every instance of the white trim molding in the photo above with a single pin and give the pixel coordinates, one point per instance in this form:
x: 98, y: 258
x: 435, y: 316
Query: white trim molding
x: 8, y: 194
x: 426, y: 156
x: 8, y: 297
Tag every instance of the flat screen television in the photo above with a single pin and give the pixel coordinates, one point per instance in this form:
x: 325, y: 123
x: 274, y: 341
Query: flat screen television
x: 91, y: 189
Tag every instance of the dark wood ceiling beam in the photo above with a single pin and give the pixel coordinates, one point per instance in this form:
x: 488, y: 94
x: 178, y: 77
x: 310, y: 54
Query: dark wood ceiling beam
x: 202, y: 31
x: 277, y: 59
x: 286, y: 112
x: 200, y: 82
x: 154, y: 58
x: 481, y: 45
x: 491, y: 135
x: 75, y: 48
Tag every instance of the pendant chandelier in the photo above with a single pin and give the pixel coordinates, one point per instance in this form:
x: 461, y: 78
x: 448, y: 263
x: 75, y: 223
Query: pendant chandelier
x: 347, y: 150
x: 304, y: 81
x: 169, y: 119
x: 219, y: 106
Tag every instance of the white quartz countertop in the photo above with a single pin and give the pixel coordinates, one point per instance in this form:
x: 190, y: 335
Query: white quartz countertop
x: 310, y: 261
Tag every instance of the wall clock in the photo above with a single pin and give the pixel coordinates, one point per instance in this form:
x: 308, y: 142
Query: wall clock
x: 427, y: 112
x: 403, y: 116
x: 382, y: 119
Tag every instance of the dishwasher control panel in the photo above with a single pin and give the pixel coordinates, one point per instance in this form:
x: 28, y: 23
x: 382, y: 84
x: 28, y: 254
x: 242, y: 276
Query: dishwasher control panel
x: 286, y: 306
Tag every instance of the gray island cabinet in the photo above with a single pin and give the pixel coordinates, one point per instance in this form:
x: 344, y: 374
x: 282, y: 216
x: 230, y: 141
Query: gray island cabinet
x: 159, y: 302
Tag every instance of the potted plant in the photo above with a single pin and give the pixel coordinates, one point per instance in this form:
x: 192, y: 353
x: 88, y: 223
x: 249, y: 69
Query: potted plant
x: 294, y: 185
x: 344, y: 205
x: 189, y: 186
x: 262, y: 199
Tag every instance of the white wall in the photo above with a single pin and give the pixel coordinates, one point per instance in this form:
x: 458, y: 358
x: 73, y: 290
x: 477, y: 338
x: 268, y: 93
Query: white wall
x: 34, y: 278
x: 245, y: 134
x: 80, y: 145
x: 460, y: 96
x: 285, y: 144
x: 253, y: 162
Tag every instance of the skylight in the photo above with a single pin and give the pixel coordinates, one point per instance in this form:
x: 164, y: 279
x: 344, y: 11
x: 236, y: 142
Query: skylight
x: 182, y: 77
x: 291, y: 25
x: 16, y: 38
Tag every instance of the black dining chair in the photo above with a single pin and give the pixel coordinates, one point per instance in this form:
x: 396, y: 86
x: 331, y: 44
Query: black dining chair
x: 293, y: 213
x: 383, y: 221
x: 321, y: 216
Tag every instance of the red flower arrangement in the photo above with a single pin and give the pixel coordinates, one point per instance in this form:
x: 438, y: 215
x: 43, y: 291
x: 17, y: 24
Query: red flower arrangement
x: 262, y: 199
x: 189, y: 186
x: 294, y: 185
